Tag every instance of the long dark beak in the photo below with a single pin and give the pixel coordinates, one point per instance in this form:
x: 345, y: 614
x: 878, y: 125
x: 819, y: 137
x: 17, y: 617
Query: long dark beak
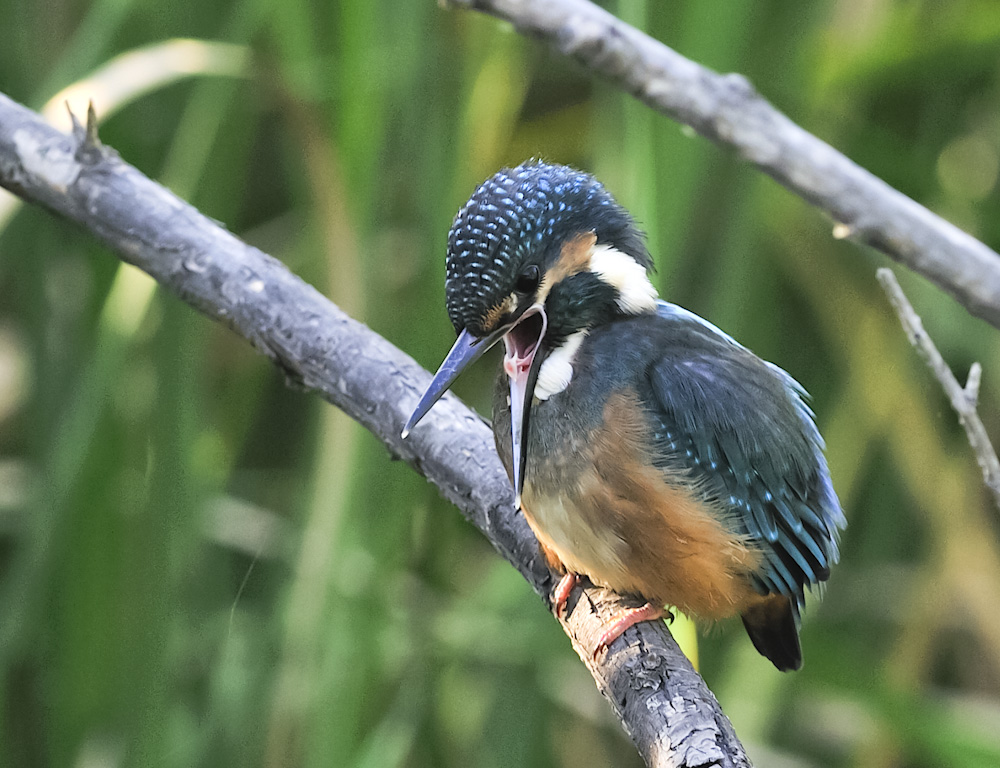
x: 521, y: 363
x: 466, y: 350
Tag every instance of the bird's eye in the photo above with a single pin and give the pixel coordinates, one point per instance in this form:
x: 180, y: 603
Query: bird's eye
x: 527, y: 281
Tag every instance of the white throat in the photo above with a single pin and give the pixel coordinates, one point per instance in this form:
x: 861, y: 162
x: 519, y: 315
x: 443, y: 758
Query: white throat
x: 557, y: 369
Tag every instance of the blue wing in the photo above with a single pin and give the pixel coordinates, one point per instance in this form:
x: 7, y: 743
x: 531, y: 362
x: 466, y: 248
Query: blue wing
x: 741, y: 429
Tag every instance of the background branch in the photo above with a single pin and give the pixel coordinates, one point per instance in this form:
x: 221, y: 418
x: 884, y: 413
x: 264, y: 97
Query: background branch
x: 727, y: 109
x: 663, y: 704
x: 963, y: 399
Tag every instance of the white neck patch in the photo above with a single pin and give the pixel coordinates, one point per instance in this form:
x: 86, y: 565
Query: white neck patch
x: 557, y: 369
x: 636, y: 293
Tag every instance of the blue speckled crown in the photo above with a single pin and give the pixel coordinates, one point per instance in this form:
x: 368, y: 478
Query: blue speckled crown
x: 515, y: 217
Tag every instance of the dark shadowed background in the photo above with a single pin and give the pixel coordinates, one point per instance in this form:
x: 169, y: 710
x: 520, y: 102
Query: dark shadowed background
x: 201, y: 567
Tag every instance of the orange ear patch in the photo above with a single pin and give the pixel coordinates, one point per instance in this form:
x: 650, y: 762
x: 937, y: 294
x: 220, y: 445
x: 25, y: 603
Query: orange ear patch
x: 573, y: 259
x: 575, y: 256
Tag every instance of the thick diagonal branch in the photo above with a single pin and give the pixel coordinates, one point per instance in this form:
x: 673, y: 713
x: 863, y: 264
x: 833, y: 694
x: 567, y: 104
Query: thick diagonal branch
x: 663, y: 704
x: 728, y: 110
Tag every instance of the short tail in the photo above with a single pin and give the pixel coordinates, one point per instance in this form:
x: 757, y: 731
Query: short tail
x: 773, y: 627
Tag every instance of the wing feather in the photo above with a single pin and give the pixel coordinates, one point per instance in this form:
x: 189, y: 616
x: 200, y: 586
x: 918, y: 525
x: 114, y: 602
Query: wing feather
x: 741, y: 429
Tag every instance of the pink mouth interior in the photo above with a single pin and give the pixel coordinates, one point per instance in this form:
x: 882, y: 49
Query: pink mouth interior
x: 521, y: 343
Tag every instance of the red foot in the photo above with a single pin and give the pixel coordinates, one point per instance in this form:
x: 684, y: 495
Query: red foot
x: 562, y: 592
x: 625, y: 619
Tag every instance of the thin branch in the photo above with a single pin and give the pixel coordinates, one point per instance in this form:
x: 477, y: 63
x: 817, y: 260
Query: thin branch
x: 963, y: 399
x: 727, y: 109
x: 661, y: 701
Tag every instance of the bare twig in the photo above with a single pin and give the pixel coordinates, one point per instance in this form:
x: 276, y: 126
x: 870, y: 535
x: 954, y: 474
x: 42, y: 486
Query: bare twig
x: 661, y: 701
x: 963, y: 399
x: 728, y: 110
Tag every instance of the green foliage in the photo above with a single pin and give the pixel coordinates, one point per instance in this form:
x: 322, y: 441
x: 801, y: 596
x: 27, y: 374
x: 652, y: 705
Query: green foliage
x: 201, y: 567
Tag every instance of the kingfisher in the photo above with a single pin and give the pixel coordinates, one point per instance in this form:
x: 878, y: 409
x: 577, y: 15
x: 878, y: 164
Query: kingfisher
x: 648, y: 450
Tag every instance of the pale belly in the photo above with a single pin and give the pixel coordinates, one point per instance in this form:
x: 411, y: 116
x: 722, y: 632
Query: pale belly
x: 560, y: 527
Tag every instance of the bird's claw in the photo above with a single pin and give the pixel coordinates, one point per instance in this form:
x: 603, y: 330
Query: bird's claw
x: 625, y: 619
x: 560, y: 596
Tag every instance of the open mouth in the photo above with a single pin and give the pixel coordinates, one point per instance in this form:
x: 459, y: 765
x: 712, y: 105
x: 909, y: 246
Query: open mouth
x: 521, y: 342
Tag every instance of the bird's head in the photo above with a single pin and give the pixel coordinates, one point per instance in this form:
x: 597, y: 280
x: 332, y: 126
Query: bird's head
x: 539, y: 253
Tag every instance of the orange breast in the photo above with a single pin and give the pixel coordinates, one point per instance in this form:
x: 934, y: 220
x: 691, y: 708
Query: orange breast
x: 632, y: 528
